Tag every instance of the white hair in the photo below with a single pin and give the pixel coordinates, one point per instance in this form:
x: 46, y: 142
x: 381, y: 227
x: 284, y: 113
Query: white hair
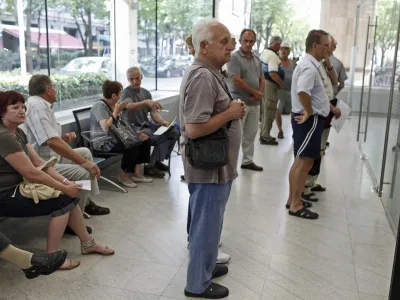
x: 275, y: 40
x: 201, y: 31
x: 132, y: 69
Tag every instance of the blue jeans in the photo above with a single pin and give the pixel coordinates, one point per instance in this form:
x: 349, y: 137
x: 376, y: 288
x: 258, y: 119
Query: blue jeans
x: 207, y: 207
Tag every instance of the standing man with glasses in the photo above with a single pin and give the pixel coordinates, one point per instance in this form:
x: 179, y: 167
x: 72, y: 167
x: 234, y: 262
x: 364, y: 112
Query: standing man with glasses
x: 310, y: 106
x: 247, y: 83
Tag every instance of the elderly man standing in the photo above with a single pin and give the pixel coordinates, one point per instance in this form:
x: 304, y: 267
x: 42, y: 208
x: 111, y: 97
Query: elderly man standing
x: 44, y: 134
x: 310, y: 107
x: 205, y: 106
x: 274, y: 80
x: 247, y: 83
x: 139, y: 106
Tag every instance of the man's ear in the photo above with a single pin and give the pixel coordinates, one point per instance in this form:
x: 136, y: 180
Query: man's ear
x: 203, y: 45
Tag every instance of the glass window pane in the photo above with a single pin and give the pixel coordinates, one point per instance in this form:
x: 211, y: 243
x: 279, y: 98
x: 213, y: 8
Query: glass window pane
x: 175, y: 20
x: 80, y: 55
x: 22, y: 53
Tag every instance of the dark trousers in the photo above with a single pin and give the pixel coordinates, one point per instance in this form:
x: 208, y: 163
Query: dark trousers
x: 133, y: 156
x: 4, y: 242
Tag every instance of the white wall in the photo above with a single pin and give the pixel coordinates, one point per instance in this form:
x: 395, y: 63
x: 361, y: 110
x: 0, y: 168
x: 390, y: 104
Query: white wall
x: 231, y: 14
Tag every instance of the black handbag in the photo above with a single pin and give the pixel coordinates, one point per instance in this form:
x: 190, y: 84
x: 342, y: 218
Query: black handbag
x: 122, y: 131
x: 210, y: 152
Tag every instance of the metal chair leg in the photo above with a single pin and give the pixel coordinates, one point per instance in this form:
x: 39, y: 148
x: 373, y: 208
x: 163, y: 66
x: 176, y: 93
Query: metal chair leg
x: 169, y: 166
x: 114, y: 184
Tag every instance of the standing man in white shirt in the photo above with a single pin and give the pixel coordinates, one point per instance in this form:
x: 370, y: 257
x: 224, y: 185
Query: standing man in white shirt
x: 310, y: 106
x: 273, y: 82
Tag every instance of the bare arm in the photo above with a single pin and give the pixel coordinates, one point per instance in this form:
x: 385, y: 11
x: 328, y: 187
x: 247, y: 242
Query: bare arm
x: 341, y: 86
x: 244, y: 86
x: 305, y: 100
x: 21, y: 163
x: 333, y: 76
x: 136, y: 106
x: 64, y: 150
x: 276, y: 78
x: 262, y: 83
x: 157, y: 118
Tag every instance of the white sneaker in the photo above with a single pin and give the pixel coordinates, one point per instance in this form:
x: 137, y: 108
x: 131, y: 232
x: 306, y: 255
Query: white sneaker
x: 223, y: 258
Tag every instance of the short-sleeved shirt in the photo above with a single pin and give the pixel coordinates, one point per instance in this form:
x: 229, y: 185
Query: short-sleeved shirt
x: 40, y: 126
x: 201, y: 97
x: 307, y: 78
x: 100, y: 112
x: 10, y: 144
x: 340, y: 71
x: 249, y: 70
x: 326, y: 81
x: 134, y: 96
x: 271, y: 59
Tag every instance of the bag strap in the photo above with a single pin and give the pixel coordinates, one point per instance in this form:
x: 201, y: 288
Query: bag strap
x: 109, y: 110
x: 224, y: 87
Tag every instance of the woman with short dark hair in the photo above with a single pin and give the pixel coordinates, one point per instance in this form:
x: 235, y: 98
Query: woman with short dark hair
x: 103, y: 114
x: 19, y: 160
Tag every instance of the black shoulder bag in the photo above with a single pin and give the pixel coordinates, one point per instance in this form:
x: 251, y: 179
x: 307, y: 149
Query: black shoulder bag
x: 122, y: 131
x: 210, y: 152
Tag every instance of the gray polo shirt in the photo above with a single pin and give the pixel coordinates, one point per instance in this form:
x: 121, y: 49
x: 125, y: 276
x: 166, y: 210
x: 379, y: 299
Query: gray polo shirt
x: 307, y: 78
x: 249, y: 70
x: 201, y: 97
x: 340, y: 71
x: 135, y: 96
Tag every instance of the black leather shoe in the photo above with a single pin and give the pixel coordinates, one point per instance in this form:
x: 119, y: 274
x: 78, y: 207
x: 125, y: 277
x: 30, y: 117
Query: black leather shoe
x: 252, y: 166
x: 45, y: 264
x: 214, y: 291
x: 95, y: 210
x: 68, y: 230
x: 162, y: 167
x: 220, y: 270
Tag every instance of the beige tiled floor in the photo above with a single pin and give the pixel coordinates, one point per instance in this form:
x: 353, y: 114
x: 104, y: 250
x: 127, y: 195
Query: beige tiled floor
x: 347, y: 254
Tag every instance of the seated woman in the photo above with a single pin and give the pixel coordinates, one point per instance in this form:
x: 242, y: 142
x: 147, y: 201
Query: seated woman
x: 32, y: 264
x: 17, y: 160
x: 102, y: 116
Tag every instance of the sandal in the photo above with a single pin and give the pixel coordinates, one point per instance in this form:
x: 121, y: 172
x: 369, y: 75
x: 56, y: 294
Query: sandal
x: 305, y: 204
x: 309, y: 197
x: 91, y: 244
x: 280, y: 135
x: 318, y: 188
x: 69, y: 264
x: 304, y: 213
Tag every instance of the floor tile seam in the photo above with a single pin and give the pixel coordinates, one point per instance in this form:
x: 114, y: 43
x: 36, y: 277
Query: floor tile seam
x: 372, y: 270
x: 310, y: 251
x: 172, y: 279
x: 329, y: 284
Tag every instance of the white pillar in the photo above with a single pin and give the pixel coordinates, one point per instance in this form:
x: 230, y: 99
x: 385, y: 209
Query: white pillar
x: 21, y: 25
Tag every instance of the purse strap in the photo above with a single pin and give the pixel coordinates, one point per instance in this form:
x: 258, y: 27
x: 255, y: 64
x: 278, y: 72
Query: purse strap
x: 109, y: 110
x: 224, y: 87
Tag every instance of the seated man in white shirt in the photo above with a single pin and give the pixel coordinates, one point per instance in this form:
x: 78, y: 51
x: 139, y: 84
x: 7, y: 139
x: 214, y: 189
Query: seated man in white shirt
x: 44, y: 134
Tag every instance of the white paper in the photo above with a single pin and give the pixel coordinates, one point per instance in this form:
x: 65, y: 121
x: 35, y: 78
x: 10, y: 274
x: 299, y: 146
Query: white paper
x: 84, y: 184
x: 163, y: 129
x: 339, y: 123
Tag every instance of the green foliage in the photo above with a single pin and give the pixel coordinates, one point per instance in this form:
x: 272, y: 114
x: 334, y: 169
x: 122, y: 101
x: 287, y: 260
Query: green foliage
x: 271, y: 18
x: 387, y: 12
x: 70, y: 88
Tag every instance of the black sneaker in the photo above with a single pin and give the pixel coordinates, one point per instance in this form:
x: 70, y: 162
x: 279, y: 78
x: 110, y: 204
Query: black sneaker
x: 153, y: 172
x: 214, y: 291
x: 160, y: 166
x: 220, y: 270
x: 45, y: 264
x: 270, y: 142
x: 95, y: 210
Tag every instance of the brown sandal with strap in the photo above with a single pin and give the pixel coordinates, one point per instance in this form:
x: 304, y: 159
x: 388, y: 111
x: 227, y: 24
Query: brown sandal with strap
x: 91, y: 244
x: 69, y: 264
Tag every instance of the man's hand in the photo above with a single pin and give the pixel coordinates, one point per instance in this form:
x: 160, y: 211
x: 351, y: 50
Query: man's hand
x: 165, y: 123
x: 258, y: 95
x: 336, y: 111
x: 253, y: 99
x: 92, y: 168
x: 142, y: 136
x: 236, y: 109
x: 281, y: 84
x: 154, y: 105
x: 304, y: 116
x: 69, y: 137
x: 328, y: 61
